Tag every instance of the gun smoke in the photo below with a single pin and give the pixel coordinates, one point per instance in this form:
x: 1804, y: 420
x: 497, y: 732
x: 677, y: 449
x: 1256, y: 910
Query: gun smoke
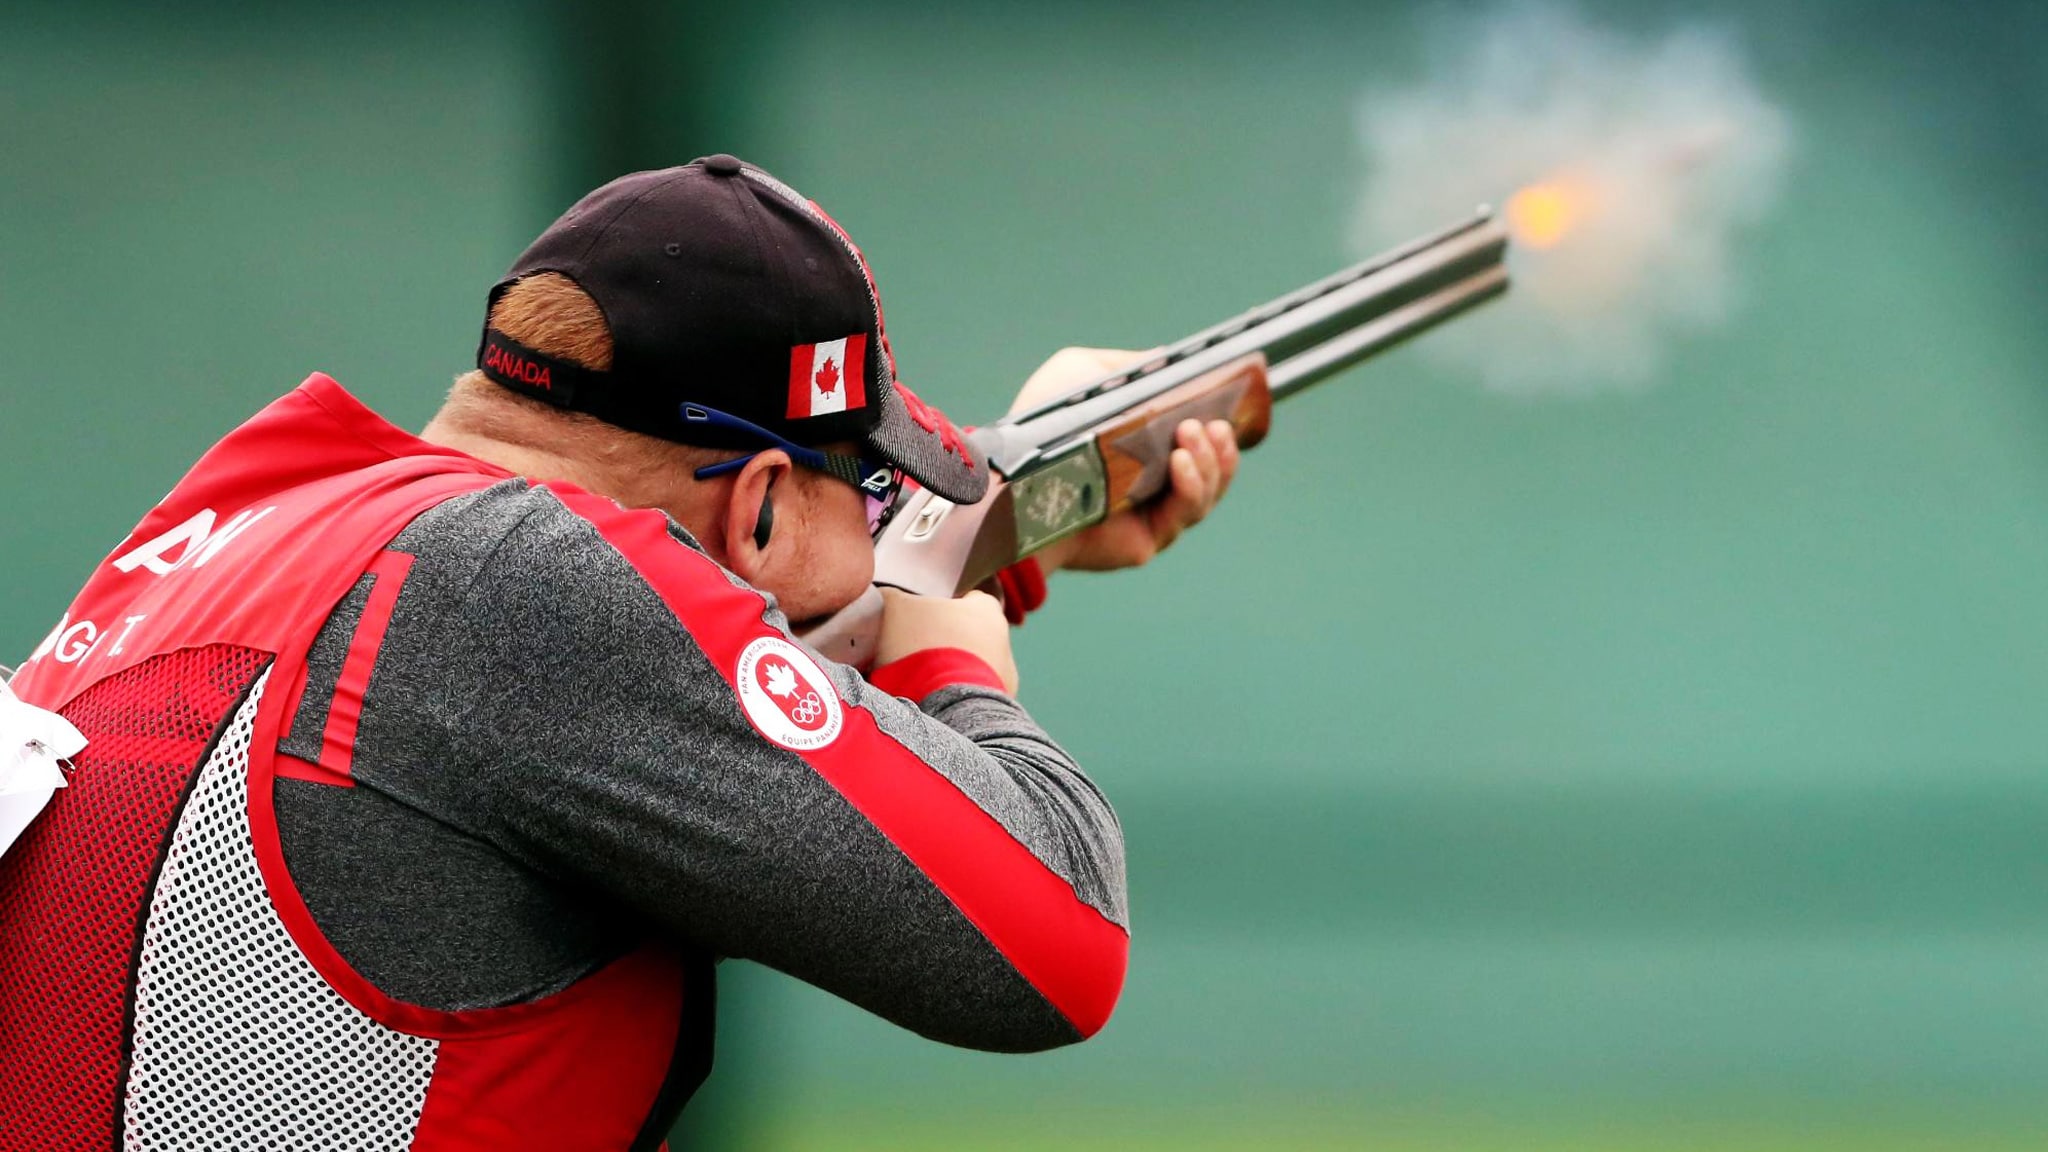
x: 1628, y: 167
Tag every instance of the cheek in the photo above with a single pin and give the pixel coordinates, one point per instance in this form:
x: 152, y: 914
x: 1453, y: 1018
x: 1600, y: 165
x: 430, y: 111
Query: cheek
x: 845, y: 565
x: 834, y: 565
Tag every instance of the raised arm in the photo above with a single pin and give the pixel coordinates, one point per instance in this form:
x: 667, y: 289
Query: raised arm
x: 937, y: 860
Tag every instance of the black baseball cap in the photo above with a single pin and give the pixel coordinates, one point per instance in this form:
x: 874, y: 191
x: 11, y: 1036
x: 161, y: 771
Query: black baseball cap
x: 725, y: 288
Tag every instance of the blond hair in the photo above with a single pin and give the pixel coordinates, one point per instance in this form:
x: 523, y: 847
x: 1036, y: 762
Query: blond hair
x: 550, y: 314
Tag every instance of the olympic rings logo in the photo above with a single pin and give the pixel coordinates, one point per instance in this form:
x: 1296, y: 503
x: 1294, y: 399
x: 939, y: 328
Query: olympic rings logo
x: 807, y: 710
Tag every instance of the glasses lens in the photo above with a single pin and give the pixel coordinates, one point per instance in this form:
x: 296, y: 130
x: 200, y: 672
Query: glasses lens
x: 880, y: 508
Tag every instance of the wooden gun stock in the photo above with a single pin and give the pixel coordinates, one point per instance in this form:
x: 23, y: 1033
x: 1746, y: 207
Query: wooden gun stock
x: 1135, y: 450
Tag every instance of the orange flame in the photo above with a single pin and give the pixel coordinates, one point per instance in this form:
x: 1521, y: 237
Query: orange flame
x: 1542, y: 215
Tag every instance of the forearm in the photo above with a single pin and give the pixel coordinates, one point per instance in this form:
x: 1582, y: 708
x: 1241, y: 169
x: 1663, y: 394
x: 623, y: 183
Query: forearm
x: 1026, y: 851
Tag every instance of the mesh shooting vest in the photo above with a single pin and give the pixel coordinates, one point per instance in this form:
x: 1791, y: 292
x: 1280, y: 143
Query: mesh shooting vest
x: 162, y: 985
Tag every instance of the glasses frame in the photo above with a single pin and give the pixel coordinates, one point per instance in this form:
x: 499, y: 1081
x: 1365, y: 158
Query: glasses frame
x: 878, y: 480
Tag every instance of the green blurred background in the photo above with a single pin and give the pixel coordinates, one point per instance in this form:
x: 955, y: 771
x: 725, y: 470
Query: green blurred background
x: 1656, y: 770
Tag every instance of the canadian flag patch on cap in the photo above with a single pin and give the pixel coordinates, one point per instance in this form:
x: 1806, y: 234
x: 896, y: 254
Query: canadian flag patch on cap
x: 828, y: 378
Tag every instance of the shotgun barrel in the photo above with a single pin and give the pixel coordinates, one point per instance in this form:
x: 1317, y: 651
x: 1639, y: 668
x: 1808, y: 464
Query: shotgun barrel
x: 1306, y: 336
x: 1104, y: 447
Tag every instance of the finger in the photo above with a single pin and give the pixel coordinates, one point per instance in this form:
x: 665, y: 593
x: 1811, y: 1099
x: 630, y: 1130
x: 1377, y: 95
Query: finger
x: 1163, y: 525
x: 1164, y: 518
x: 1225, y: 438
x: 1195, y: 441
x: 1183, y: 505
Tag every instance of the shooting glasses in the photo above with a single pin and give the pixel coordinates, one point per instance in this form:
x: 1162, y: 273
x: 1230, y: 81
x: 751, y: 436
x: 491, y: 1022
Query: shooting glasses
x: 878, y: 480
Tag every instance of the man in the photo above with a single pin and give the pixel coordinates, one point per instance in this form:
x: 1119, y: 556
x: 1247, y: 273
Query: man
x: 427, y: 777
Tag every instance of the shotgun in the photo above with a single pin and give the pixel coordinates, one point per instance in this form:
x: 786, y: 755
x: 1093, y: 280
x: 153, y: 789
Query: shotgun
x: 1103, y: 447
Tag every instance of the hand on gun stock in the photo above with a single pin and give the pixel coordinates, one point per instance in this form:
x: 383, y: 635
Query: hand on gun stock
x: 1200, y: 468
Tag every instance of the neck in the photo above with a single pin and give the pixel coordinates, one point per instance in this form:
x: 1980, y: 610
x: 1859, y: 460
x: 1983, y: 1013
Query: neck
x: 534, y: 463
x: 629, y: 481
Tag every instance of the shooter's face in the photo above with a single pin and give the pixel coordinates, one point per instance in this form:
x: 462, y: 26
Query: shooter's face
x: 820, y: 557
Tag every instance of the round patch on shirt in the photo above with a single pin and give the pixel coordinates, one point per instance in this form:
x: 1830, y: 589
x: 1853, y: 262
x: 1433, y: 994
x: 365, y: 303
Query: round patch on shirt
x: 787, y: 696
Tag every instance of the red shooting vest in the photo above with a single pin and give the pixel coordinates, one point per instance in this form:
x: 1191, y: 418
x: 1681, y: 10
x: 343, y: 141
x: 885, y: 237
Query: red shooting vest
x: 162, y: 985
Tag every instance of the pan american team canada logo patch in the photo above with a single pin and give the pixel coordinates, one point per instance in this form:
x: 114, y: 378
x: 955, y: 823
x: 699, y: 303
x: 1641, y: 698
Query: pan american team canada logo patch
x: 787, y: 696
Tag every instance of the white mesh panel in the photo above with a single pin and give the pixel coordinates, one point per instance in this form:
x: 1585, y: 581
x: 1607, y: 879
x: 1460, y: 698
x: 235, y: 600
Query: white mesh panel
x: 239, y: 1044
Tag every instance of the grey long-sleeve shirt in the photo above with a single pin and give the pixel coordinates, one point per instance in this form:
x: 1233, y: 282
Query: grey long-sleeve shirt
x: 549, y: 767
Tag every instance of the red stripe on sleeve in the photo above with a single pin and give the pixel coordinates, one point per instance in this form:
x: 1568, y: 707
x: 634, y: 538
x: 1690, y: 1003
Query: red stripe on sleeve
x: 920, y: 674
x: 338, y: 740
x: 1071, y: 953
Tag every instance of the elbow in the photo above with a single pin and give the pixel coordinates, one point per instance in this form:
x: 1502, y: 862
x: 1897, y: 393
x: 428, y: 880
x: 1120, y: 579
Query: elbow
x: 1076, y: 978
x: 1091, y: 998
x: 1045, y: 1007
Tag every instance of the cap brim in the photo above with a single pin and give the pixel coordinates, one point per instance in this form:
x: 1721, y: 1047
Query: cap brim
x: 960, y: 476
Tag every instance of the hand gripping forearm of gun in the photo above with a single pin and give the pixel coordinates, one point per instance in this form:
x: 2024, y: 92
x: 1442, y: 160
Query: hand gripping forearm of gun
x: 1103, y: 448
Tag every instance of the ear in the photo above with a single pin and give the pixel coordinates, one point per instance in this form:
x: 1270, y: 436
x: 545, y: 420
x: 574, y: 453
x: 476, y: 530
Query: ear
x: 759, y: 482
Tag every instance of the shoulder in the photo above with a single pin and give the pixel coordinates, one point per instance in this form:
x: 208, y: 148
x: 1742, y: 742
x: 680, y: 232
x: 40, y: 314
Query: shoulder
x: 519, y: 566
x: 542, y: 526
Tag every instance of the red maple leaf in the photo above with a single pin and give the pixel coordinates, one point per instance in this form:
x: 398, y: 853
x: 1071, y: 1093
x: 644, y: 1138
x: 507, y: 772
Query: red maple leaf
x: 828, y: 377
